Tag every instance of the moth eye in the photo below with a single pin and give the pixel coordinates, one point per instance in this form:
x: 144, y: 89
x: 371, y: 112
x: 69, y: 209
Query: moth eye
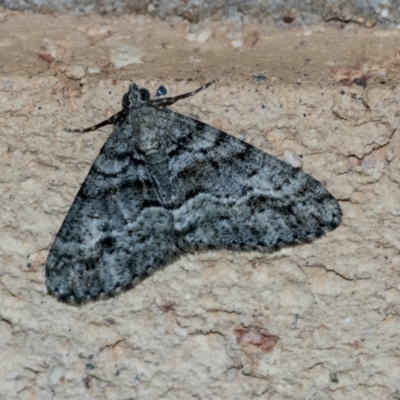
x: 144, y: 94
x: 125, y: 101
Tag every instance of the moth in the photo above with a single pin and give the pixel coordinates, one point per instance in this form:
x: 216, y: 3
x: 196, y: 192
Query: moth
x: 164, y: 185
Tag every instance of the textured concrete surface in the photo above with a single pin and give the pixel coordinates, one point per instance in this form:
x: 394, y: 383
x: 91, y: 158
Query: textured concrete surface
x: 318, y: 321
x: 271, y: 12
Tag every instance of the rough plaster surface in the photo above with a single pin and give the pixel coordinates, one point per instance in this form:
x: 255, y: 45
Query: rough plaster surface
x: 279, y: 12
x: 318, y: 321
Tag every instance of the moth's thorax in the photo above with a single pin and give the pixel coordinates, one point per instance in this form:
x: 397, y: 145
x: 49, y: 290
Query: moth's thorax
x: 149, y: 141
x: 144, y: 135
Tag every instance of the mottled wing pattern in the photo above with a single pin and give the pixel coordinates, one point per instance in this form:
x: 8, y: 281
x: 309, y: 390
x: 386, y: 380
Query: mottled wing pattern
x: 235, y: 196
x: 116, y: 229
x: 165, y: 184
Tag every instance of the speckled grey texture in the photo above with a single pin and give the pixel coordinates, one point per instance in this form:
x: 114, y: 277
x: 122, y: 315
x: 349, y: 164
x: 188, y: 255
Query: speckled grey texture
x: 165, y: 184
x: 365, y: 12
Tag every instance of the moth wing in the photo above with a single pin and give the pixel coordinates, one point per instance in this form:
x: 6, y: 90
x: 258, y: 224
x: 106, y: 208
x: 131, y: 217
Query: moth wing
x: 235, y: 196
x: 115, y: 231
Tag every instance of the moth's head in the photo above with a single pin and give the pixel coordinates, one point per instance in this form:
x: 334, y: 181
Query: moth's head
x: 135, y: 97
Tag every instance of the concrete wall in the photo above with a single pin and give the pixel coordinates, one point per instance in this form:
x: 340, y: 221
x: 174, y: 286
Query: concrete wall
x: 318, y: 321
x: 296, y: 12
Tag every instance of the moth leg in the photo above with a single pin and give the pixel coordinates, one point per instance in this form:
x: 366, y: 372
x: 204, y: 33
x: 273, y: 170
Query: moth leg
x: 111, y: 121
x: 167, y: 101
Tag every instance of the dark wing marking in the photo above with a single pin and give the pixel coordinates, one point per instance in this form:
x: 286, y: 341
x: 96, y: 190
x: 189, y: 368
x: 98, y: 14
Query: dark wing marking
x: 235, y: 196
x: 115, y: 231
